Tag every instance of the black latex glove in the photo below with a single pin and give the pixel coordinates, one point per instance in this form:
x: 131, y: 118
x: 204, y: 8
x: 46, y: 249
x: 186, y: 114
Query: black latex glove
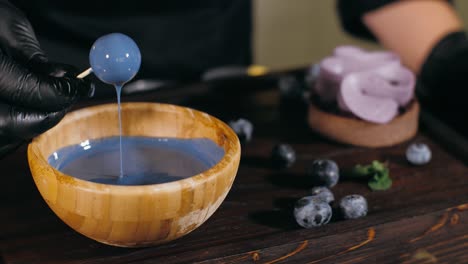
x: 34, y: 93
x: 443, y: 80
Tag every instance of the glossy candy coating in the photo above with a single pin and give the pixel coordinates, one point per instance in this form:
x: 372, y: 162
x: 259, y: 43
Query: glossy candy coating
x: 115, y: 58
x: 370, y: 85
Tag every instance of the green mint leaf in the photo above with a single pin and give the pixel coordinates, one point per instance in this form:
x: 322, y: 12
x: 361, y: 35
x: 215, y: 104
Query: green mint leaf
x: 366, y: 171
x: 380, y: 182
x: 360, y: 171
x: 378, y: 166
x: 377, y: 174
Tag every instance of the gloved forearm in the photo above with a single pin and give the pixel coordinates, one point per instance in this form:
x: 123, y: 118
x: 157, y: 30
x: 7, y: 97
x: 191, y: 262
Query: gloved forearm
x: 430, y: 39
x: 17, y: 38
x: 34, y: 93
x: 350, y: 14
x: 444, y: 74
x: 412, y: 28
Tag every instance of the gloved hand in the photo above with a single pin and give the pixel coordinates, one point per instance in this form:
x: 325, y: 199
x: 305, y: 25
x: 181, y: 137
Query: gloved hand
x: 34, y: 93
x: 443, y: 80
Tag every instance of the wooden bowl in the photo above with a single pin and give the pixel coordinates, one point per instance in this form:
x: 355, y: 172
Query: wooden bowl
x: 134, y: 216
x: 357, y: 132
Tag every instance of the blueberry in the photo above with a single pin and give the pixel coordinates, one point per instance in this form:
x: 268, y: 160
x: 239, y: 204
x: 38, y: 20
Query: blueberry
x: 418, y: 154
x: 312, y: 74
x: 283, y: 156
x: 353, y: 206
x: 290, y: 87
x: 323, y: 193
x: 312, y: 212
x: 324, y: 172
x: 243, y: 128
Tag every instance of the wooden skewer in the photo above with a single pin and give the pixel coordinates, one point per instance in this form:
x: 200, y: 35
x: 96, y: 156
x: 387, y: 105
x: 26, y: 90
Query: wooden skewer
x: 85, y: 73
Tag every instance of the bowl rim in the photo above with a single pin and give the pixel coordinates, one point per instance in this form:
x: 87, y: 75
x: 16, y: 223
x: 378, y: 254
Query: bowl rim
x: 233, y: 150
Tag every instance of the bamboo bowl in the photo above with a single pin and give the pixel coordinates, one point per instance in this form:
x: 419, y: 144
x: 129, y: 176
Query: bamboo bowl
x: 134, y: 216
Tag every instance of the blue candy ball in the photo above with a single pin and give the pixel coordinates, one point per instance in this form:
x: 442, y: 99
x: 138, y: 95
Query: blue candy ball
x: 115, y: 58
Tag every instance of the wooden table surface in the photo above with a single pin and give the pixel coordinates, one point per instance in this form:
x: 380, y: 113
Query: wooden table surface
x: 423, y: 218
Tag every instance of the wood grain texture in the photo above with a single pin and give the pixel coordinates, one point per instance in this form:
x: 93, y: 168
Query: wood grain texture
x: 361, y: 133
x: 134, y: 216
x: 255, y: 224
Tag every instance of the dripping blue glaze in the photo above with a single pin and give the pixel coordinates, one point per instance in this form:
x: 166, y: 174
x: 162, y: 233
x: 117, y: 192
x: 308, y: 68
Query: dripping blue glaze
x: 115, y: 59
x: 118, y: 89
x: 147, y: 160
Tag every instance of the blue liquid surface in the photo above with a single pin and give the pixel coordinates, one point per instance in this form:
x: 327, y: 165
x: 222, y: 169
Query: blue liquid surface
x: 146, y: 160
